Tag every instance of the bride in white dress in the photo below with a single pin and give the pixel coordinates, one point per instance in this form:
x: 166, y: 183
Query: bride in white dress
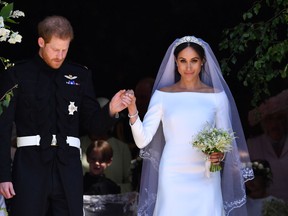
x: 173, y: 181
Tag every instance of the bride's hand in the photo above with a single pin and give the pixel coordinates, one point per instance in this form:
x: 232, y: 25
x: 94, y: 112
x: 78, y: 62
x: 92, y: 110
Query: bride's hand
x: 130, y: 94
x: 132, y: 108
x: 216, y: 157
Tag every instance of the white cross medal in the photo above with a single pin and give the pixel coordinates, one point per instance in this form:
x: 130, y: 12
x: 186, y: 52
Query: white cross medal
x: 72, y: 108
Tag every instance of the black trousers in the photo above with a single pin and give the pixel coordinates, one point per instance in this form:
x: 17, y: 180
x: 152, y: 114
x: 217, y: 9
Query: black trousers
x: 38, y: 194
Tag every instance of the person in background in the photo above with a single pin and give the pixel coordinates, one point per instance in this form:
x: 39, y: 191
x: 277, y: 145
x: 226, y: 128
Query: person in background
x: 188, y: 93
x: 52, y: 103
x: 272, y: 143
x: 143, y: 91
x: 99, y: 156
x: 258, y: 200
x: 120, y: 170
x: 257, y: 188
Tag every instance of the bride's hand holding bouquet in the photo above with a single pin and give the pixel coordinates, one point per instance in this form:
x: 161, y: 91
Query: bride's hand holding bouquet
x: 214, y: 142
x: 215, y: 158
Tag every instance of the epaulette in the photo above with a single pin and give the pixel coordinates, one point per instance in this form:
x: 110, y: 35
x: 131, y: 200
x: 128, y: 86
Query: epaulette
x: 19, y: 62
x: 78, y: 65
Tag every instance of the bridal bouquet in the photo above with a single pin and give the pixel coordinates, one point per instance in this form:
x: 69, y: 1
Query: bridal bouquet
x: 212, y: 139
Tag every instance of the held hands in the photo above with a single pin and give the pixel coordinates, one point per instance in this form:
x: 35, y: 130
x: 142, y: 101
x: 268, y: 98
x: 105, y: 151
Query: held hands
x: 129, y: 100
x: 7, y: 190
x: 122, y: 100
x: 132, y: 108
x: 130, y: 94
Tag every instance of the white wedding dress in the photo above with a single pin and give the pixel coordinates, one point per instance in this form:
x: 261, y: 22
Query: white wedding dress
x: 183, y: 188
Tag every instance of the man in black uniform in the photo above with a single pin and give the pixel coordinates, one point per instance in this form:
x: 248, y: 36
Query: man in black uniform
x: 52, y: 101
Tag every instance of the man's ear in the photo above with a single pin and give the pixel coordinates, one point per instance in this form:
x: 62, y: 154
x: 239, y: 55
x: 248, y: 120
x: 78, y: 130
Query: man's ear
x: 41, y: 42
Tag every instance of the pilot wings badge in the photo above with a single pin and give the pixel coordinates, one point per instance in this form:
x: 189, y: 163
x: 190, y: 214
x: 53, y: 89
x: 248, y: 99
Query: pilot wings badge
x: 71, y: 79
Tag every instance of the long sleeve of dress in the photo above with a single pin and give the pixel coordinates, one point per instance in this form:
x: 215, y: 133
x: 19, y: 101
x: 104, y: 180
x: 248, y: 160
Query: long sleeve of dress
x: 143, y: 132
x: 223, y: 112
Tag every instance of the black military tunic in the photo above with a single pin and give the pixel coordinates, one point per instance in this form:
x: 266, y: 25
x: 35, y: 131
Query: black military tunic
x: 47, y: 101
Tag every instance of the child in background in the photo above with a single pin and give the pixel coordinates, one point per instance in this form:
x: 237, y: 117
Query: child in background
x: 99, y: 156
x: 259, y: 202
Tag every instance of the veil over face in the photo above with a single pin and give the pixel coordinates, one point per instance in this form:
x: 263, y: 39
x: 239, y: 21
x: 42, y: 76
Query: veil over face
x: 234, y: 173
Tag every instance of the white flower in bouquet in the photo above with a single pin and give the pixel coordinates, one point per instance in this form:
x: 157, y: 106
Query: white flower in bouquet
x: 212, y: 139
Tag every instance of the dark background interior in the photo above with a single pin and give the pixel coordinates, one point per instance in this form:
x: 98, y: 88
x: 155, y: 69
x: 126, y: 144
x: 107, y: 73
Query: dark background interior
x: 124, y: 41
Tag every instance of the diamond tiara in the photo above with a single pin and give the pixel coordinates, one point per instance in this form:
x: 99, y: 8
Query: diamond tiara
x: 188, y: 39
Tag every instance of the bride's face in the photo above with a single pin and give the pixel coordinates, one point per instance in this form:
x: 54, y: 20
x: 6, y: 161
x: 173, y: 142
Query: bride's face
x: 189, y: 63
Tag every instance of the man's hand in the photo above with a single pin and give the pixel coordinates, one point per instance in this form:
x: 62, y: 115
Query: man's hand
x: 7, y: 190
x: 119, y: 102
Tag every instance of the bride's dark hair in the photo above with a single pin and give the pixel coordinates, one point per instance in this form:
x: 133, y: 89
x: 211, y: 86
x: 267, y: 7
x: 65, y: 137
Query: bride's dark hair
x: 198, y: 48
